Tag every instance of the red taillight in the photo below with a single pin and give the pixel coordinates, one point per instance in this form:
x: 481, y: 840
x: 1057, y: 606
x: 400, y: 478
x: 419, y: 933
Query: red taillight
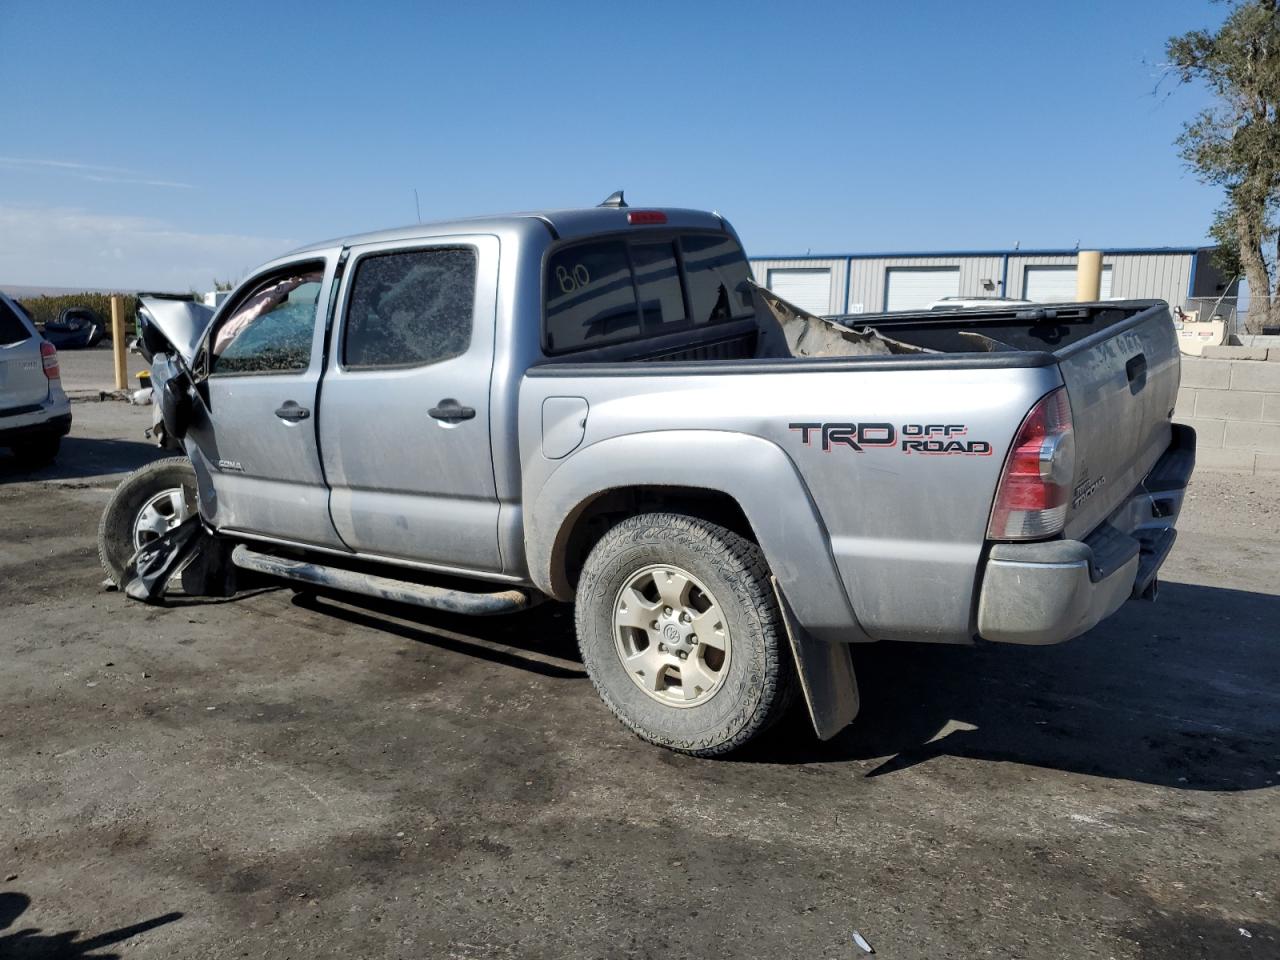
x: 1035, y: 488
x: 49, y: 357
x: 638, y: 217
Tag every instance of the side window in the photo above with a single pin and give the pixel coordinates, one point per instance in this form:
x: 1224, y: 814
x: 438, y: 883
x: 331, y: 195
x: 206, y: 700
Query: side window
x: 658, y: 286
x: 411, y: 308
x: 12, y: 329
x: 717, y: 273
x: 272, y: 329
x: 591, y: 300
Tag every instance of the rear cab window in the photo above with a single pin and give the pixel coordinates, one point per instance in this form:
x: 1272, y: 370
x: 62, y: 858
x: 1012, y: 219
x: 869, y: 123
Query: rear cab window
x: 718, y: 275
x: 591, y: 296
x: 623, y: 289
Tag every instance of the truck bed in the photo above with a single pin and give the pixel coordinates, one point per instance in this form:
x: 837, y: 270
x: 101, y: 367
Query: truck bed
x: 1051, y: 328
x: 906, y: 530
x: 1045, y: 330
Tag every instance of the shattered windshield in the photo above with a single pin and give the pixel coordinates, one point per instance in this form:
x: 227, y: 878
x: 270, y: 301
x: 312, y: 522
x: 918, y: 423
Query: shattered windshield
x: 272, y: 330
x: 410, y: 308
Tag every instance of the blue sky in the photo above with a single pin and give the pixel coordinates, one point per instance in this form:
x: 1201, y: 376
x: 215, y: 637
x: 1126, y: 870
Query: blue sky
x: 161, y: 144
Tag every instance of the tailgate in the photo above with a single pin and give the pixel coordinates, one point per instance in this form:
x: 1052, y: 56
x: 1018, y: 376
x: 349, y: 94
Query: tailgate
x: 1122, y: 383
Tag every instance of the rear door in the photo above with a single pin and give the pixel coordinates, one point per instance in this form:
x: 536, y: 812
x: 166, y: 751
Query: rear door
x: 404, y: 419
x: 22, y: 380
x: 807, y: 288
x: 1056, y: 284
x: 263, y: 355
x: 914, y: 288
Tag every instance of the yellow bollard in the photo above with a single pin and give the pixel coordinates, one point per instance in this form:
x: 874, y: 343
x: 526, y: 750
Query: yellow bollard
x: 1088, y: 276
x: 118, y: 345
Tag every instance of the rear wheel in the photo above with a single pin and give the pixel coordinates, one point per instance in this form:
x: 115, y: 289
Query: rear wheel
x: 681, y: 633
x: 149, y: 503
x: 37, y: 452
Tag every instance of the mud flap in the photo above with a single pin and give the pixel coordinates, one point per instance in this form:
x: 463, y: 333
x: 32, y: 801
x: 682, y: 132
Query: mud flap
x: 826, y: 675
x: 148, y: 573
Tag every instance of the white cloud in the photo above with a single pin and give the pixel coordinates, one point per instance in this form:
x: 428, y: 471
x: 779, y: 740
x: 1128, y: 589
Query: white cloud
x: 74, y: 248
x: 60, y: 164
x: 93, y: 172
x: 102, y: 178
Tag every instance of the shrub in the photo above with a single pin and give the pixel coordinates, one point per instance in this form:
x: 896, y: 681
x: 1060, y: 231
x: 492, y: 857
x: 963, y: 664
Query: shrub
x: 44, y: 309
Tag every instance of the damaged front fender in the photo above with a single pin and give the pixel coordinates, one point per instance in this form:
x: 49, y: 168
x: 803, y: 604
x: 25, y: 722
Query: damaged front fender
x: 176, y: 326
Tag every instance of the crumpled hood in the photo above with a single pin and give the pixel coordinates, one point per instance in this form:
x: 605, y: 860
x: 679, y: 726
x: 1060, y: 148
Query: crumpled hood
x: 181, y: 322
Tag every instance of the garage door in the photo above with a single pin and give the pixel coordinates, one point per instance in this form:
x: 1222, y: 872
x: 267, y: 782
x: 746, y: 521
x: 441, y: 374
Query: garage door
x: 1058, y: 284
x: 914, y: 288
x: 808, y: 289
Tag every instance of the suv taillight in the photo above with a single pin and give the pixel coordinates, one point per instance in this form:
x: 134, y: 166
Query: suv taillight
x: 1035, y: 488
x: 49, y: 357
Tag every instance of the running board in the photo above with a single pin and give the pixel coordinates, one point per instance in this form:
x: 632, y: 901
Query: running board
x: 385, y: 588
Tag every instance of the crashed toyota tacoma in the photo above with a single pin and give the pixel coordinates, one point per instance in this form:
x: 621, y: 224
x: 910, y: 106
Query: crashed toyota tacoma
x: 599, y: 406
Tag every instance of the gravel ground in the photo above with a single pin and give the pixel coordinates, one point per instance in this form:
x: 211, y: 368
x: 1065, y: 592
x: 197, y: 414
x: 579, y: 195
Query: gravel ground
x: 272, y: 777
x: 86, y: 372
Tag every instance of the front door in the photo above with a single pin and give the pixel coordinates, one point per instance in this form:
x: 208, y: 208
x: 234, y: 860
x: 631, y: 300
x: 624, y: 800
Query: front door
x: 404, y: 417
x: 257, y: 447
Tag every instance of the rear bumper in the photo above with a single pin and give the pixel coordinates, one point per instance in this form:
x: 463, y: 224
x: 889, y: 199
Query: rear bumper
x: 1040, y: 593
x: 49, y: 419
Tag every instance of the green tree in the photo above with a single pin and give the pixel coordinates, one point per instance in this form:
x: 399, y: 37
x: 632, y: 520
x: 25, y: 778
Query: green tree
x: 1235, y: 143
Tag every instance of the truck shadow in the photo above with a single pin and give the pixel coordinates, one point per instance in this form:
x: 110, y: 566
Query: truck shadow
x: 83, y: 457
x: 1183, y: 933
x: 32, y: 943
x: 534, y: 640
x: 1183, y: 693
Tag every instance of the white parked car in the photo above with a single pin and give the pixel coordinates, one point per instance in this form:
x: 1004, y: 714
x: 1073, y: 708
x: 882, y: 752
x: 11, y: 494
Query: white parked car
x: 976, y: 303
x: 34, y: 411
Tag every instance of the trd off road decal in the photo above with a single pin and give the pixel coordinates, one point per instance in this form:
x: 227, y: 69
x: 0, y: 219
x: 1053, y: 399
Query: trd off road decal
x: 926, y: 438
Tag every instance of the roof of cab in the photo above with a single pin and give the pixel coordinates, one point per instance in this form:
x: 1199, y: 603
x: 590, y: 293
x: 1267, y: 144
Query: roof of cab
x: 563, y: 224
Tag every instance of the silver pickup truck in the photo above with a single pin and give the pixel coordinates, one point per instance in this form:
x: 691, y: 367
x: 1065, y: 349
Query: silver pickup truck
x: 599, y: 406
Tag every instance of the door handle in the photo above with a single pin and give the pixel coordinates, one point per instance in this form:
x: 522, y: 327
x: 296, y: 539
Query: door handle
x: 292, y: 412
x: 1136, y: 370
x: 450, y: 411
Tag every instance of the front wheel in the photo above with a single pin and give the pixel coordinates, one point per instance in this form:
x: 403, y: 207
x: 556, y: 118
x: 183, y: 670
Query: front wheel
x: 149, y: 503
x: 681, y: 634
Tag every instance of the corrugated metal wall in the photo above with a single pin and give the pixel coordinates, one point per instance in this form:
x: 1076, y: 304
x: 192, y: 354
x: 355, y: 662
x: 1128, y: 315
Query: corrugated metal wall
x: 1148, y: 276
x: 1144, y: 276
x: 1018, y: 269
x: 1134, y: 276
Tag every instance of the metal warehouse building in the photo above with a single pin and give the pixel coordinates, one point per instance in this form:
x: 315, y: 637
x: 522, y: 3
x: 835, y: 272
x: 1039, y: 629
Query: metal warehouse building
x: 874, y: 282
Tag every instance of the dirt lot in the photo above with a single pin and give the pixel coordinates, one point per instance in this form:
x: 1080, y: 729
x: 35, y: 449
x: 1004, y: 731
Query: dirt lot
x: 268, y: 778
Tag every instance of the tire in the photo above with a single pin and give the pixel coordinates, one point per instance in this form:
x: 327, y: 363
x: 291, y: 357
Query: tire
x: 116, y: 529
x: 752, y: 680
x: 39, y: 452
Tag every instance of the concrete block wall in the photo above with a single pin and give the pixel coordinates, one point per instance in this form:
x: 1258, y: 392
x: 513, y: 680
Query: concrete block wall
x: 1234, y: 406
